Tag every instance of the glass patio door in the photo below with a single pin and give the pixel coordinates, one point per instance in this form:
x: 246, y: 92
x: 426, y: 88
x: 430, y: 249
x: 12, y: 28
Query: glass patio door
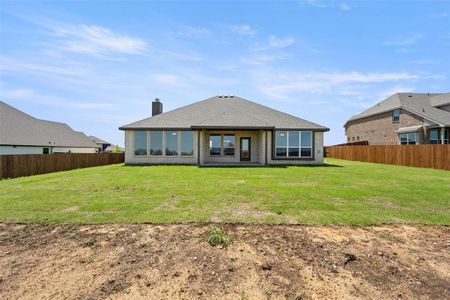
x: 245, y: 149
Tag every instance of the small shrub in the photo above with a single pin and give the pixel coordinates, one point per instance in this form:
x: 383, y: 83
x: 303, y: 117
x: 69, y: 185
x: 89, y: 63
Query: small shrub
x: 92, y: 242
x: 217, y: 237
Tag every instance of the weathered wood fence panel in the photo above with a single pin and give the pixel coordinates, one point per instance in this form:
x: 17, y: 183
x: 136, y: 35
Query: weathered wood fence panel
x: 12, y: 166
x: 423, y: 156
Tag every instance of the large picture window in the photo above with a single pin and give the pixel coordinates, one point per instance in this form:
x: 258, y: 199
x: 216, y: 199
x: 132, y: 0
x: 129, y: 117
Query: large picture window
x: 156, y: 143
x: 408, y: 138
x: 140, y: 143
x: 215, y: 141
x: 187, y: 143
x: 293, y: 144
x: 229, y: 141
x: 171, y: 143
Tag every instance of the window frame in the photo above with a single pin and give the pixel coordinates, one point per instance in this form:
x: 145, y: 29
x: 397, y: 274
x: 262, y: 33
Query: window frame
x: 170, y: 133
x: 181, y: 143
x: 438, y: 134
x: 275, y: 147
x: 223, y: 145
x: 146, y: 143
x: 396, y: 117
x: 162, y: 143
x: 446, y: 136
x: 210, y: 145
x: 408, y: 141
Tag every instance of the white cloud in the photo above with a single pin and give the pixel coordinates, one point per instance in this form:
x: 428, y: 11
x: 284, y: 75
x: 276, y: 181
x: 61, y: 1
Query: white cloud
x: 40, y: 68
x: 315, y: 3
x: 405, y: 40
x: 168, y: 79
x: 194, y: 32
x: 279, y: 84
x: 29, y: 95
x: 440, y: 15
x: 244, y: 30
x: 97, y: 40
x: 277, y: 42
x: 327, y: 4
x: 425, y: 62
x: 263, y: 59
x: 395, y: 89
x: 344, y: 6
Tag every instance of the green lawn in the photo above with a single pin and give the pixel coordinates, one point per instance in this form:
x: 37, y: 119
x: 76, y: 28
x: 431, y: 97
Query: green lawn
x: 342, y: 192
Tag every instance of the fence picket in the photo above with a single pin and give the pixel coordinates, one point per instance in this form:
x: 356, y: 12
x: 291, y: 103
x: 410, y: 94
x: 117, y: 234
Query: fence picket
x: 12, y: 166
x: 423, y: 156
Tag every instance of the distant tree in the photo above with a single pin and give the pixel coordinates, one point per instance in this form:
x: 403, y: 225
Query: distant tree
x: 117, y: 149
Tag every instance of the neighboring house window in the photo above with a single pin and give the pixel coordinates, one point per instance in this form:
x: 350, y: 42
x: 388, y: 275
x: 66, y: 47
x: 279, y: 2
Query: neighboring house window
x: 45, y: 150
x: 408, y: 138
x: 215, y: 141
x: 446, y: 136
x: 396, y: 116
x: 156, y: 143
x: 229, y: 141
x: 187, y: 143
x: 171, y: 143
x: 140, y: 143
x: 293, y: 144
x: 434, y: 136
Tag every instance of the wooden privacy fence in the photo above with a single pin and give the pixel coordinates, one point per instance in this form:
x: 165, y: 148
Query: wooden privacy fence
x: 423, y: 156
x: 12, y: 166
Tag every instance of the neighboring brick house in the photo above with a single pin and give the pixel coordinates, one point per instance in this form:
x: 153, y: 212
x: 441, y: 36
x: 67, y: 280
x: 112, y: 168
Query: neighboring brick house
x: 403, y: 118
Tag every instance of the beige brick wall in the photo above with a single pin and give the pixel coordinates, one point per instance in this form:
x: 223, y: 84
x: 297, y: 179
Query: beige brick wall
x: 379, y: 129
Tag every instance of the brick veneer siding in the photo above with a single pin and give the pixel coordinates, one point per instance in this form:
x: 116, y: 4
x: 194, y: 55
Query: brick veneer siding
x: 379, y: 129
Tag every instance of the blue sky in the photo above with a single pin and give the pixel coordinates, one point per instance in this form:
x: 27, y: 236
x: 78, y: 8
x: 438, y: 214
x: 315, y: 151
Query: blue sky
x: 98, y: 65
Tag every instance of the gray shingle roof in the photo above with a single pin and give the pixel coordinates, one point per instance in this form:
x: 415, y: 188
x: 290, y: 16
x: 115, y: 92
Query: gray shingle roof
x: 98, y: 140
x: 19, y: 128
x: 224, y: 112
x: 421, y: 104
x: 441, y: 100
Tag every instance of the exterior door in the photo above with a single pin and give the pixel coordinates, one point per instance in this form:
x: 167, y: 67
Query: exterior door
x: 245, y: 149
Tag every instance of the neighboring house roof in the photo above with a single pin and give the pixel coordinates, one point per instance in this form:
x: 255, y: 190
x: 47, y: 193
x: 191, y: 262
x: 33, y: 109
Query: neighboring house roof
x: 441, y: 100
x: 19, y: 128
x: 224, y: 112
x: 98, y: 141
x: 421, y: 104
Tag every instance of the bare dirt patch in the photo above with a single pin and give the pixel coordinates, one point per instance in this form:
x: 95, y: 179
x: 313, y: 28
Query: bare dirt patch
x: 263, y: 262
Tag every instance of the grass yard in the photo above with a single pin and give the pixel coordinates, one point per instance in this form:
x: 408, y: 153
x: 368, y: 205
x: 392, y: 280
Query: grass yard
x: 342, y: 192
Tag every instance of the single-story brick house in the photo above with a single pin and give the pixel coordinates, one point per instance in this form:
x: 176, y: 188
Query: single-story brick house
x: 403, y: 118
x: 224, y: 130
